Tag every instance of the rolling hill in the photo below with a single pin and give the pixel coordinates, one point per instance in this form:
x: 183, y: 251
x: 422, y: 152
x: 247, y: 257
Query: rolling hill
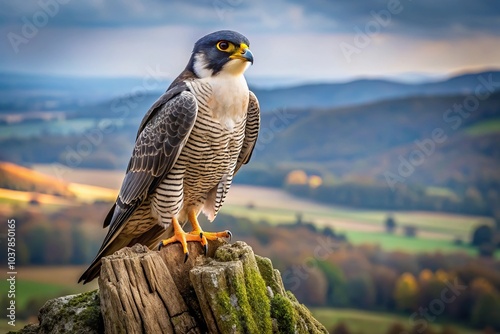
x: 368, y: 140
x: 97, y: 97
x: 366, y: 91
x: 20, y: 178
x: 23, y: 184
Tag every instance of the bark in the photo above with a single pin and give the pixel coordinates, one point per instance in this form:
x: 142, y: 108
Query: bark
x: 231, y: 290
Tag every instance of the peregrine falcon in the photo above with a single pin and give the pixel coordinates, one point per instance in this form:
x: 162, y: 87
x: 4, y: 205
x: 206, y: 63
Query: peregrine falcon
x: 188, y: 148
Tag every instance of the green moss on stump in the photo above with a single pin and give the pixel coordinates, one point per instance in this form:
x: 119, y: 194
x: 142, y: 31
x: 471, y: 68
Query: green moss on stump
x: 270, y: 275
x: 283, y: 311
x: 250, y: 301
x: 259, y: 300
x: 77, y: 313
x: 230, y: 322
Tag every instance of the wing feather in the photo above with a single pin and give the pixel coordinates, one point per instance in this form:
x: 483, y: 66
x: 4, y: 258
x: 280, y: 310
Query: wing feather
x: 162, y: 135
x: 251, y: 132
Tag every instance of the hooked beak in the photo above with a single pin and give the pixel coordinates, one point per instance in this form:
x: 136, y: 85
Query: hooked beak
x: 243, y: 53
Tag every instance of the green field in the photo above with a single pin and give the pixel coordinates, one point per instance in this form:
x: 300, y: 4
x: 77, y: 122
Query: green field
x: 435, y: 231
x: 451, y: 225
x: 399, y: 242
x: 37, y: 285
x: 27, y: 290
x: 32, y: 292
x: 366, y: 322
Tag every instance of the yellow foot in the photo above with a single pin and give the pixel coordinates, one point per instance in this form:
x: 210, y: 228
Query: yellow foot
x: 196, y: 235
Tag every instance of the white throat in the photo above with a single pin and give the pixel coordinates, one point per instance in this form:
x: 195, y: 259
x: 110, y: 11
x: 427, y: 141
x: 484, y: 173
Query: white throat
x: 229, y: 100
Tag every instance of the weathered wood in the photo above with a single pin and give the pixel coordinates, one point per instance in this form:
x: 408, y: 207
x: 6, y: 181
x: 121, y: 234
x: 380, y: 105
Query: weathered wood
x: 139, y: 294
x: 232, y: 290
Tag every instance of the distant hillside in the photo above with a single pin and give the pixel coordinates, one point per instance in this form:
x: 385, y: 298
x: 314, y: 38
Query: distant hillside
x: 16, y: 177
x: 368, y: 139
x: 364, y: 91
x: 102, y: 97
x: 316, y: 95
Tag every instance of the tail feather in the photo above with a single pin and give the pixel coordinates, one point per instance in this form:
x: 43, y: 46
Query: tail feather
x: 109, y: 217
x: 94, y: 269
x: 150, y: 239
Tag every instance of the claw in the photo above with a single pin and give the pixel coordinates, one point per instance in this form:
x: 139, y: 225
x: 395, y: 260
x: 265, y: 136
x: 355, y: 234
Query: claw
x: 160, y: 245
x: 186, y: 255
x: 205, y: 249
x: 230, y: 235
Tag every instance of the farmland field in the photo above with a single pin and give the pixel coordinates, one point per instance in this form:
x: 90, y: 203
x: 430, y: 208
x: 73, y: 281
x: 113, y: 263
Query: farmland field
x: 38, y: 284
x: 47, y: 282
x: 368, y: 322
x: 414, y: 245
x: 436, y: 231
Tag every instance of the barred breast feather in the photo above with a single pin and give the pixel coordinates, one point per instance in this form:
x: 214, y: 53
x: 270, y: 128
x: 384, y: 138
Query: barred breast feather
x: 187, y: 151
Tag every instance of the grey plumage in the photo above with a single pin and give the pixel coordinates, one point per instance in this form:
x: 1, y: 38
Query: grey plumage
x: 189, y: 146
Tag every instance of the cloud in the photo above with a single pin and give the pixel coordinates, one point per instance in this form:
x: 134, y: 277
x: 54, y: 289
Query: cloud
x: 425, y: 17
x: 430, y: 18
x: 290, y: 38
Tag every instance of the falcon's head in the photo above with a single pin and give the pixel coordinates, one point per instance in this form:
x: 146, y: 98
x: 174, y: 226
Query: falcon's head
x: 223, y: 51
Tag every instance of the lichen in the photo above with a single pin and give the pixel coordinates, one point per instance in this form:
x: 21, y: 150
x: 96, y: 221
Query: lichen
x: 283, y: 311
x: 77, y: 313
x: 227, y: 313
x: 85, y: 310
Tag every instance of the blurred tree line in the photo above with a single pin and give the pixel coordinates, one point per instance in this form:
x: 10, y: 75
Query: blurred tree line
x: 481, y: 197
x: 377, y: 195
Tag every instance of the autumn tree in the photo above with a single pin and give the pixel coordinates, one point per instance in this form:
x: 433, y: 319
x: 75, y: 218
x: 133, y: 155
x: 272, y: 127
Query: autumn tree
x: 361, y: 291
x: 485, y: 311
x: 406, y: 292
x: 337, y: 293
x: 313, y: 288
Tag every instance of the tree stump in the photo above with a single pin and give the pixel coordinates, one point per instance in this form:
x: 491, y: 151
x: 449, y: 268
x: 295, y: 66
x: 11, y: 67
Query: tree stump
x: 231, y: 290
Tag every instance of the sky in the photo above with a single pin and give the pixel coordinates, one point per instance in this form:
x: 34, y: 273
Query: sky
x: 317, y: 40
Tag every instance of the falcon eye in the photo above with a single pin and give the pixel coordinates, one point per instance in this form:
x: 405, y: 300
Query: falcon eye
x: 223, y: 45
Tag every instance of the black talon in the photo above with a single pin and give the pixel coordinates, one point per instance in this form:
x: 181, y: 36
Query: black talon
x: 230, y: 235
x: 205, y: 249
x: 201, y: 235
x: 186, y: 257
x: 160, y: 245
